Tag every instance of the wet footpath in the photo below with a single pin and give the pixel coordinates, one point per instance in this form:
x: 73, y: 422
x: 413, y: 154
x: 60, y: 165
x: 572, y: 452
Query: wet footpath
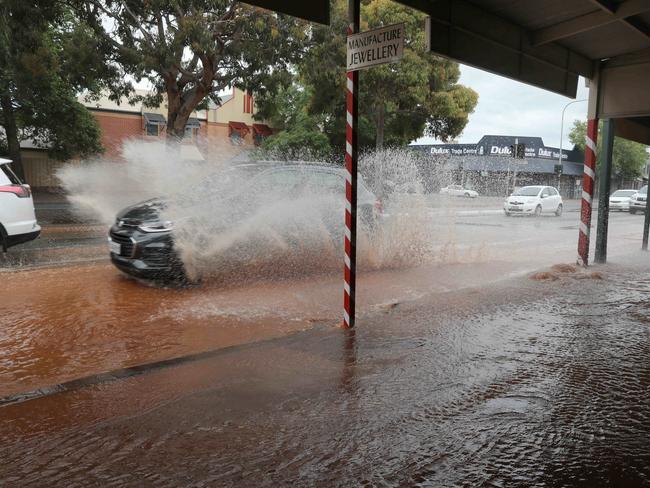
x: 533, y: 380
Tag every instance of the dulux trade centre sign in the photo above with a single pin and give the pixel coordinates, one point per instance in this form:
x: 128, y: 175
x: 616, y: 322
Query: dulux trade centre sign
x: 501, y: 146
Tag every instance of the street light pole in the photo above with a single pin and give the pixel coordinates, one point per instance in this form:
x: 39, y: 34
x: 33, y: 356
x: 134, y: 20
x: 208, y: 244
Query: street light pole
x: 562, y: 134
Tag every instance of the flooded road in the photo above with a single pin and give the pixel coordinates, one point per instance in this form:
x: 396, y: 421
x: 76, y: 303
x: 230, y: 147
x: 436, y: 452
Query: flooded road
x: 463, y: 371
x: 521, y: 383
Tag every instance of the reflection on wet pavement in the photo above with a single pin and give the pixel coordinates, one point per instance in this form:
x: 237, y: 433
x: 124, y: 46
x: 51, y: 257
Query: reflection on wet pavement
x: 62, y: 324
x: 521, y: 383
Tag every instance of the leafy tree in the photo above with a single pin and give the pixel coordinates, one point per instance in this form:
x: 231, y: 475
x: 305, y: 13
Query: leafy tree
x: 398, y: 102
x: 46, y: 57
x: 628, y: 157
x: 300, y: 136
x: 191, y: 50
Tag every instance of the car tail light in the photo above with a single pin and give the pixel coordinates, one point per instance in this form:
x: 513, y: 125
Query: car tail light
x: 379, y: 207
x: 21, y: 191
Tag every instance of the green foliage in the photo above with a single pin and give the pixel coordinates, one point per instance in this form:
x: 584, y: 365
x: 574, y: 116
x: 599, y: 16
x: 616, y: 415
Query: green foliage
x: 628, y: 157
x: 300, y: 137
x: 300, y: 142
x: 46, y: 57
x: 192, y: 50
x: 401, y: 101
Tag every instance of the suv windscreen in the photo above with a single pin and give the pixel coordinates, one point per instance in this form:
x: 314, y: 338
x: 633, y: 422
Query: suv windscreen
x: 644, y: 190
x: 8, y: 177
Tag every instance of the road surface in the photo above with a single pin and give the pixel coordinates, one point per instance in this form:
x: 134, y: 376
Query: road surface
x: 463, y: 370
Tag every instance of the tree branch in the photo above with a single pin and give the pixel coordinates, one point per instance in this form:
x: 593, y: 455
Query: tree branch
x: 138, y: 25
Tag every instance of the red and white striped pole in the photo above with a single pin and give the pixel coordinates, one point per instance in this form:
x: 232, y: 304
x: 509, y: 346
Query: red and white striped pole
x: 351, y: 153
x: 587, y: 191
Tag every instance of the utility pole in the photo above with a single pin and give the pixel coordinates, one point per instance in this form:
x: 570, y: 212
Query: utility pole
x: 605, y: 176
x: 514, y: 171
x: 559, y: 175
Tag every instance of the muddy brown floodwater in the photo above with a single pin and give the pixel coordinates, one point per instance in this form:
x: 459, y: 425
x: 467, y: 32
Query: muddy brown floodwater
x: 505, y: 382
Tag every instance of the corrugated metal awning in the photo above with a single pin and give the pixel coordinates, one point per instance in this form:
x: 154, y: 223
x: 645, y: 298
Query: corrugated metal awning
x: 154, y: 119
x: 238, y: 127
x: 262, y: 129
x: 503, y: 165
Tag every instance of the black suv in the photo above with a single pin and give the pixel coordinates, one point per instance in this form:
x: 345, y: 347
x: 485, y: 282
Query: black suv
x: 142, y: 243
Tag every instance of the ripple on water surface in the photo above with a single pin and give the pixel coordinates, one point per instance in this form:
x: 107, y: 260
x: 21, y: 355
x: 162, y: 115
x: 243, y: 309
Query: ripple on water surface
x: 530, y: 384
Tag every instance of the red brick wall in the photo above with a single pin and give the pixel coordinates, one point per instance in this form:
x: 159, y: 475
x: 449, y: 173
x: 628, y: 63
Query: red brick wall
x: 116, y: 129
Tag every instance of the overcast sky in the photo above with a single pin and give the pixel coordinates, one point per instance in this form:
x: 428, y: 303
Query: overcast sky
x: 507, y: 107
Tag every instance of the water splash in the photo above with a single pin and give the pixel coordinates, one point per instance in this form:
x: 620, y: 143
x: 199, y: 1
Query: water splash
x: 231, y: 223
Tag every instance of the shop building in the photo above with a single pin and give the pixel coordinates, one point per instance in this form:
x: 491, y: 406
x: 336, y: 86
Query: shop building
x: 491, y: 168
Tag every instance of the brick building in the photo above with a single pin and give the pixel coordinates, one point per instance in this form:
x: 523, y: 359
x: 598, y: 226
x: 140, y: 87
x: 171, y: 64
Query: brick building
x: 215, y: 134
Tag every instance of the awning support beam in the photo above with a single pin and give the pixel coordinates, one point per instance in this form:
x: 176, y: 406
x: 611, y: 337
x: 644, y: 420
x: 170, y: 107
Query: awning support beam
x: 635, y: 25
x: 465, y: 32
x: 646, y: 227
x: 588, y: 22
x: 605, y: 177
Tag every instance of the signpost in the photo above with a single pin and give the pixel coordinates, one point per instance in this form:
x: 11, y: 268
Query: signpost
x: 365, y: 49
x: 378, y: 46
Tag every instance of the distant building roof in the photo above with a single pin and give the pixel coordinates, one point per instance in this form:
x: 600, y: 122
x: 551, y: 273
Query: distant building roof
x: 223, y: 98
x: 226, y: 98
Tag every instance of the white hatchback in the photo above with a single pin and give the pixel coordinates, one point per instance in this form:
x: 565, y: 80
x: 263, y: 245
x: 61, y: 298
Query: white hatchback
x: 534, y: 200
x: 458, y: 191
x: 17, y: 218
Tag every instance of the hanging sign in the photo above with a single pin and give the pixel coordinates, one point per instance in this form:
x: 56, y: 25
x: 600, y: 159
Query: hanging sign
x: 378, y: 46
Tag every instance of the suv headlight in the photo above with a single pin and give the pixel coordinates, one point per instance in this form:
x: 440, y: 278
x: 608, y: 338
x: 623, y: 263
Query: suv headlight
x: 156, y: 226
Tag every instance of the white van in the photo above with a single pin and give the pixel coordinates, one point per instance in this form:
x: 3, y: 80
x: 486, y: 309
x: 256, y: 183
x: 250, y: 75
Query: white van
x: 17, y: 218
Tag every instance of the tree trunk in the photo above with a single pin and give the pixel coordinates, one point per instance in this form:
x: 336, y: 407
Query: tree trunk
x: 381, y: 115
x: 180, y: 108
x: 11, y: 132
x: 174, y: 119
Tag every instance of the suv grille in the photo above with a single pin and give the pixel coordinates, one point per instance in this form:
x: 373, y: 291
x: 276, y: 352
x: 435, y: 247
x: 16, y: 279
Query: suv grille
x: 157, y: 257
x: 127, y: 246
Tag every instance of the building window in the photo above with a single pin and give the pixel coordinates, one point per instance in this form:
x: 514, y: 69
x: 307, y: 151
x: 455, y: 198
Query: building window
x: 261, y: 132
x: 153, y: 130
x: 237, y: 131
x: 191, y: 133
x: 153, y: 124
x: 248, y: 103
x: 192, y: 129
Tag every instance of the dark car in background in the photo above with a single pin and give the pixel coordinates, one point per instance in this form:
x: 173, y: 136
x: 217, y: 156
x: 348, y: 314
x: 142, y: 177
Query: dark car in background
x: 142, y: 243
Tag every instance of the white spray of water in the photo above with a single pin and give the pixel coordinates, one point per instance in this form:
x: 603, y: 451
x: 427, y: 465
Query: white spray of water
x: 230, y: 222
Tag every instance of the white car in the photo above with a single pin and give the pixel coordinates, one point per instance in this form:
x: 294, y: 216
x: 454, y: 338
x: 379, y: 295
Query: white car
x: 17, y: 218
x: 620, y: 200
x: 639, y: 200
x: 534, y: 200
x: 458, y: 191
